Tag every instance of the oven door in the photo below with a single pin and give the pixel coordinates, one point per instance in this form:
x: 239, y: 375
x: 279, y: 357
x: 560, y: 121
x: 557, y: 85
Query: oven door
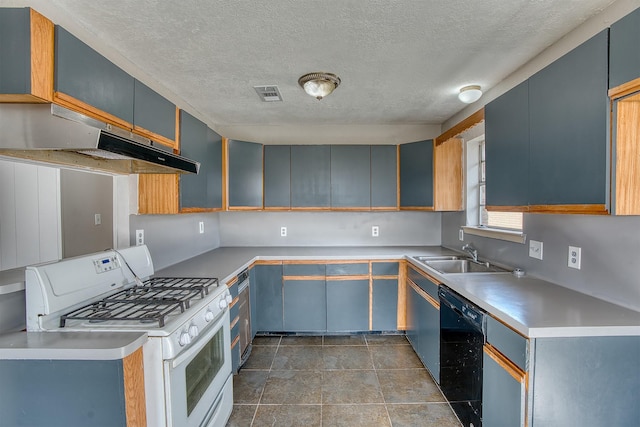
x: 198, y: 390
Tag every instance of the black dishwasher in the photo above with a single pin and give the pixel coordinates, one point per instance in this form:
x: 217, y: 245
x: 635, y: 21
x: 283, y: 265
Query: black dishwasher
x: 462, y: 333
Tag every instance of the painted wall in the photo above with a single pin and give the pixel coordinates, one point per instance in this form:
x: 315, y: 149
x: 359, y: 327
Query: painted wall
x: 610, y: 252
x: 329, y: 228
x: 174, y: 238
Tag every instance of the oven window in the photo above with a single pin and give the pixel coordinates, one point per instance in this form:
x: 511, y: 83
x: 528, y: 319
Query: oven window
x: 203, y: 369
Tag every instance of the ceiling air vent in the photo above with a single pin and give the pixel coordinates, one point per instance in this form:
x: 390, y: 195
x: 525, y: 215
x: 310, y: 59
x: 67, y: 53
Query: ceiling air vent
x: 268, y: 93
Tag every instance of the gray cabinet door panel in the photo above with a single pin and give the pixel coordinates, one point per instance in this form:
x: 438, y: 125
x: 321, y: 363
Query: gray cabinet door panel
x: 304, y: 269
x: 305, y: 306
x: 245, y: 174
x: 277, y: 176
x: 429, y: 337
x: 423, y: 283
x: 268, y: 296
x: 502, y: 400
x: 384, y: 176
x: 15, y: 51
x: 508, y: 342
x: 348, y: 269
x: 347, y: 305
x: 197, y: 142
x: 384, y: 268
x: 507, y: 148
x: 350, y: 176
x: 416, y: 174
x: 413, y: 309
x: 86, y: 75
x: 624, y: 54
x: 568, y: 106
x: 385, y: 305
x: 311, y: 176
x: 153, y: 112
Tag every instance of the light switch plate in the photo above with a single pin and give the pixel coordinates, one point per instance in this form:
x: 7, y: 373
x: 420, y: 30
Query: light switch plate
x: 574, y: 258
x: 201, y: 227
x: 535, y: 249
x: 97, y: 219
x: 461, y: 234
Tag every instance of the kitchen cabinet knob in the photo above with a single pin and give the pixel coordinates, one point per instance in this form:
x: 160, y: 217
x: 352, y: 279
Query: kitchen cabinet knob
x: 208, y: 316
x: 223, y: 303
x: 193, y: 331
x: 184, y: 339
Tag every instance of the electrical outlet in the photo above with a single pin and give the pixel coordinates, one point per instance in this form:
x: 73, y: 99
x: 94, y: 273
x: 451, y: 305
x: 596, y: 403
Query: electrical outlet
x: 283, y: 231
x: 461, y: 234
x: 575, y: 255
x: 375, y: 231
x: 139, y: 237
x: 535, y: 249
x: 97, y: 219
x: 201, y: 227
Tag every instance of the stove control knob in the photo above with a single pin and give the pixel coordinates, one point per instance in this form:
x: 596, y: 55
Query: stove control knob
x: 184, y: 339
x: 193, y: 331
x: 229, y: 298
x: 208, y: 316
x: 223, y: 303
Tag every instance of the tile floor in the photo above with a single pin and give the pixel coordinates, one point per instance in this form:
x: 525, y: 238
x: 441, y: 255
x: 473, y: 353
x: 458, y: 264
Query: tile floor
x: 360, y: 380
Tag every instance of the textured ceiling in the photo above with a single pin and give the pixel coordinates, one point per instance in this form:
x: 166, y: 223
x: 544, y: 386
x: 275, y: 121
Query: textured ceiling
x: 401, y: 62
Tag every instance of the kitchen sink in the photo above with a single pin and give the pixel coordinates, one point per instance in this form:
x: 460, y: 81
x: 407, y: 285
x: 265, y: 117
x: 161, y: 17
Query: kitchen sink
x: 463, y: 265
x: 428, y: 258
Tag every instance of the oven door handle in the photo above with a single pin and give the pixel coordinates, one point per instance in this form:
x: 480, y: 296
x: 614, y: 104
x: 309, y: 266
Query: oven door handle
x: 195, y: 346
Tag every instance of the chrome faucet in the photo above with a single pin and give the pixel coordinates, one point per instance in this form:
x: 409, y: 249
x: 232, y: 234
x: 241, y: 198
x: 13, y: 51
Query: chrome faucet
x: 471, y: 251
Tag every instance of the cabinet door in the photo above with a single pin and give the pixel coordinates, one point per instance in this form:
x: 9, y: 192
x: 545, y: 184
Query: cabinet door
x: 350, y: 176
x: 506, y: 127
x: 277, y: 176
x: 26, y: 56
x: 568, y: 107
x: 347, y: 305
x: 503, y: 391
x: 624, y: 54
x: 310, y: 176
x: 429, y: 335
x: 88, y: 77
x: 305, y: 306
x: 153, y: 115
x: 268, y: 295
x: 385, y: 305
x: 384, y: 176
x: 253, y: 301
x: 204, y: 190
x: 416, y: 174
x: 413, y: 310
x: 245, y: 174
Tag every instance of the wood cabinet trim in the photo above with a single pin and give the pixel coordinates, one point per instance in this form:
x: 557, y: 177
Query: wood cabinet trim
x: 235, y: 341
x: 447, y: 175
x: 570, y: 209
x: 225, y: 173
x: 158, y: 193
x: 299, y: 278
x: 134, y: 392
x: 42, y: 56
x: 196, y: 210
x: 417, y: 208
x: 266, y: 262
x: 460, y: 127
x: 155, y: 137
x: 506, y: 364
x: 346, y: 277
x: 75, y: 104
x: 508, y: 208
x: 402, y: 296
x: 425, y: 275
x: 424, y: 294
x: 625, y: 89
x: 627, y: 159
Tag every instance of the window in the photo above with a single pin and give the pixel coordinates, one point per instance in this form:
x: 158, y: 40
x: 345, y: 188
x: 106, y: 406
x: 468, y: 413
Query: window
x: 498, y: 225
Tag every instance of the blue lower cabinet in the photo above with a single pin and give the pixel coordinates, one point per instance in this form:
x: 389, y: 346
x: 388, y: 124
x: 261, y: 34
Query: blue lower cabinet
x: 235, y: 357
x: 385, y: 305
x: 503, y: 396
x: 347, y: 305
x: 267, y: 284
x: 429, y: 337
x: 305, y: 306
x: 412, y: 317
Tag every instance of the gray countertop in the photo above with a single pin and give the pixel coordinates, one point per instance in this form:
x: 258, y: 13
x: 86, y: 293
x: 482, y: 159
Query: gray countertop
x: 11, y: 280
x: 533, y: 307
x: 70, y: 345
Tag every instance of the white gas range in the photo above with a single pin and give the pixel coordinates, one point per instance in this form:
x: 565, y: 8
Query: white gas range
x: 187, y: 360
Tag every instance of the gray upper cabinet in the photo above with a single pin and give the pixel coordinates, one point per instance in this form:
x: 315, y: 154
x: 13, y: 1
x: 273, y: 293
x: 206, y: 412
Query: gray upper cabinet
x: 277, y: 176
x: 384, y: 176
x: 416, y: 175
x: 624, y: 51
x: 568, y: 107
x: 87, y: 76
x: 310, y: 176
x: 198, y: 142
x: 153, y: 113
x: 507, y: 147
x: 350, y: 176
x: 245, y: 174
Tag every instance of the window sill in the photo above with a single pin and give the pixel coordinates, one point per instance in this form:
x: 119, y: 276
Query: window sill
x: 494, y: 233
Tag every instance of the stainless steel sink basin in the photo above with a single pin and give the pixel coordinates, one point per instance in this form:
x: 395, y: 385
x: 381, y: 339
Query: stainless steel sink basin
x: 428, y: 258
x: 448, y: 266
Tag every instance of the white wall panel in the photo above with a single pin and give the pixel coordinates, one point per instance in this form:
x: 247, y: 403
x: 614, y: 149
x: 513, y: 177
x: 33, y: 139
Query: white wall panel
x: 49, y: 213
x: 27, y: 212
x: 7, y: 216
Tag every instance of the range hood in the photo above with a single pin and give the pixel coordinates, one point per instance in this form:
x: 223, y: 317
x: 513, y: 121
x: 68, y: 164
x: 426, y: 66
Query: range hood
x: 56, y: 135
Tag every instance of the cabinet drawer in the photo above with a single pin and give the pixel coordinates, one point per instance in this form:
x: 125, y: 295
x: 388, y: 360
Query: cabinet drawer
x: 235, y: 329
x: 423, y: 283
x: 508, y: 342
x: 347, y: 269
x: 234, y: 311
x: 385, y: 268
x: 303, y: 269
x: 234, y: 290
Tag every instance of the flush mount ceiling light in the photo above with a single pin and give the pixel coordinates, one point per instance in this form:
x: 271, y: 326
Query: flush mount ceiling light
x: 470, y: 94
x: 319, y: 85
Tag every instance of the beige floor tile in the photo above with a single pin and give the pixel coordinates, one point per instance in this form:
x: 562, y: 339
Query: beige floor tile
x: 298, y: 357
x: 261, y: 357
x: 242, y: 415
x: 355, y: 416
x: 344, y: 340
x: 347, y: 357
x: 248, y: 386
x: 350, y: 386
x: 293, y: 387
x: 394, y: 357
x: 288, y: 416
x: 408, y: 386
x: 422, y: 414
x: 266, y: 340
x: 301, y: 340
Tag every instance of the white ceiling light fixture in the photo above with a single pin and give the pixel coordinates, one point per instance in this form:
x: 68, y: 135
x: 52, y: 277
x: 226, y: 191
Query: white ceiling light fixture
x: 319, y: 85
x: 470, y: 94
